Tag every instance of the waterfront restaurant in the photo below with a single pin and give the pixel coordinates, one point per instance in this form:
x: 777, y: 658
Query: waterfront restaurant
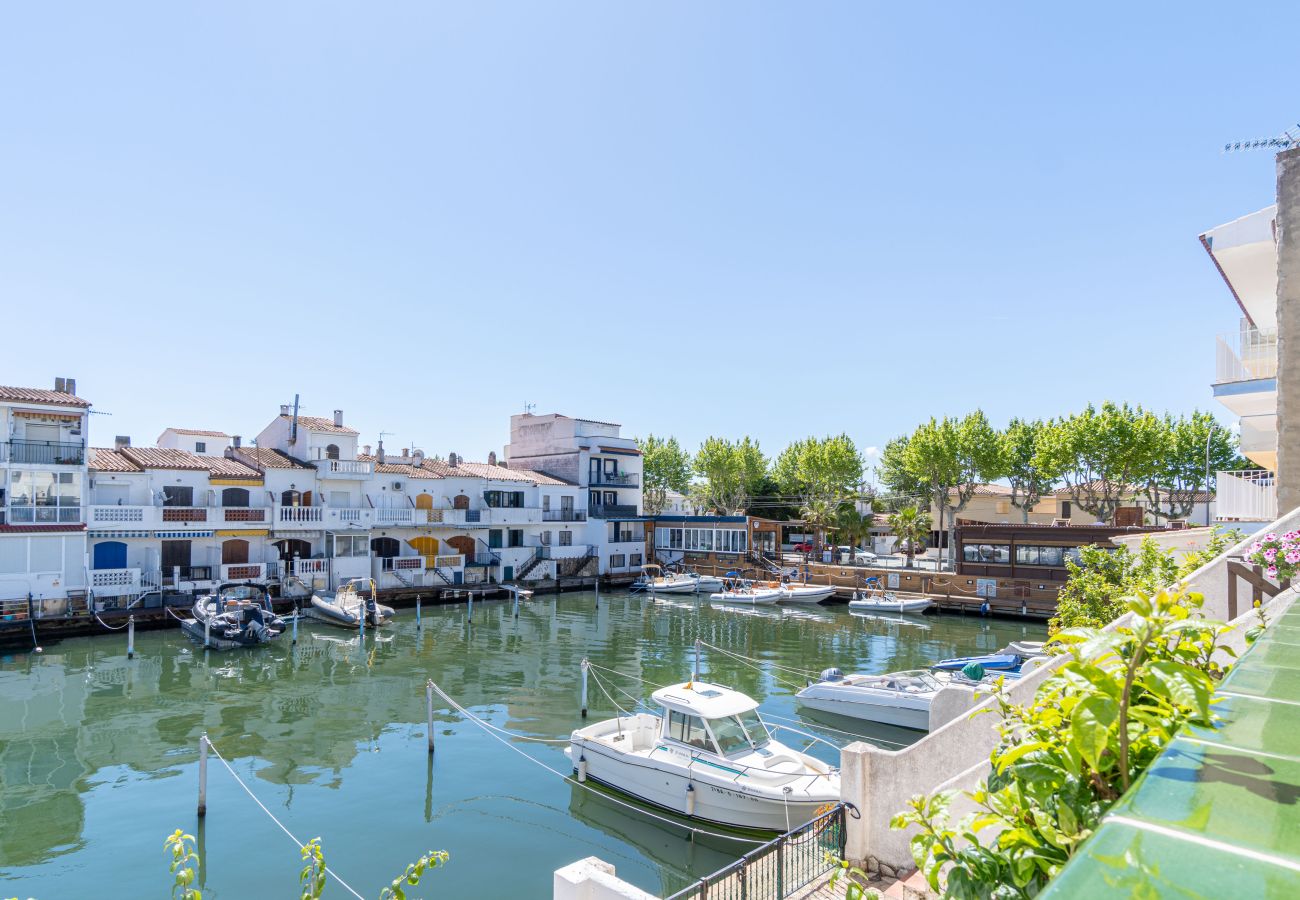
x: 1030, y: 552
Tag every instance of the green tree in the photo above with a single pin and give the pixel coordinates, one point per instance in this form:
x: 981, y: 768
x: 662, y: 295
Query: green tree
x: 729, y: 472
x: 826, y: 470
x: 1176, y: 481
x: 911, y: 525
x: 1023, y: 466
x: 953, y: 457
x: 1103, y: 454
x: 665, y: 467
x: 851, y: 525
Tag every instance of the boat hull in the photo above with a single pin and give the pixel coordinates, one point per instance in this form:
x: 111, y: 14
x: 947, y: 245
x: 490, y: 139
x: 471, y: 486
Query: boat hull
x: 718, y: 802
x: 745, y: 598
x: 214, y: 641
x: 807, y: 593
x: 918, y: 605
x: 865, y: 707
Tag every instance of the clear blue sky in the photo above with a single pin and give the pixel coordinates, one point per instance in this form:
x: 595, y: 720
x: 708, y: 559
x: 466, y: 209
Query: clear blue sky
x: 691, y: 218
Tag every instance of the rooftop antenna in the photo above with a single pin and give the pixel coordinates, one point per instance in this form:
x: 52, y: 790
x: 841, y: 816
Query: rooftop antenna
x: 1285, y: 141
x: 528, y: 408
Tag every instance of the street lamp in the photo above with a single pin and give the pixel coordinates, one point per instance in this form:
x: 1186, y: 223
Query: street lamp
x: 1208, y: 438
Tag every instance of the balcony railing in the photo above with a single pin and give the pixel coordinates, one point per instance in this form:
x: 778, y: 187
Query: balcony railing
x: 621, y: 479
x: 47, y: 453
x: 44, y: 515
x: 243, y: 572
x: 1246, y: 356
x: 243, y: 514
x: 612, y: 510
x: 564, y: 515
x: 399, y: 515
x: 342, y: 468
x: 184, y: 514
x: 300, y: 514
x: 1246, y: 496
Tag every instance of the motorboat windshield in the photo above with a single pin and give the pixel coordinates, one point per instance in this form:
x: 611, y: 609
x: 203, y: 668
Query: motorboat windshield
x: 252, y: 593
x: 737, y: 733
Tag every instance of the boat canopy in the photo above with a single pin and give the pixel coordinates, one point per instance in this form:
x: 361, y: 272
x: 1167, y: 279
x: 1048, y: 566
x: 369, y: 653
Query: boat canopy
x: 650, y: 568
x: 709, y: 701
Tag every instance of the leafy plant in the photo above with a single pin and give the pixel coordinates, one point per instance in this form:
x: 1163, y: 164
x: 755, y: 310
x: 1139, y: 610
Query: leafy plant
x: 665, y: 467
x: 911, y: 525
x: 1064, y: 758
x: 411, y: 876
x: 731, y: 472
x: 1095, y: 591
x: 312, y: 876
x: 181, y: 847
x: 854, y: 889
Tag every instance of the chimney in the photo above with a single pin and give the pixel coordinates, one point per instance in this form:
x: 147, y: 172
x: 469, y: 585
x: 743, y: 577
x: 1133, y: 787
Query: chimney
x: 451, y: 459
x: 379, y: 455
x: 492, y: 458
x: 365, y: 449
x: 121, y: 441
x: 338, y: 418
x: 284, y: 409
x: 235, y: 441
x: 71, y: 385
x: 60, y: 384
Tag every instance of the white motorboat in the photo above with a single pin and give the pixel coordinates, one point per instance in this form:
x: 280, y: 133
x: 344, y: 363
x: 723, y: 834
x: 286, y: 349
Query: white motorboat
x: 237, y: 615
x: 738, y: 590
x: 345, y: 606
x: 797, y: 592
x: 882, y: 601
x: 708, y: 756
x: 706, y: 583
x: 898, y: 698
x: 655, y: 581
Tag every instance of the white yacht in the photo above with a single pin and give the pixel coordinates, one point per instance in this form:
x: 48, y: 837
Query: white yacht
x: 708, y: 756
x: 797, y: 592
x: 739, y: 590
x: 346, y: 606
x: 882, y: 601
x: 655, y: 581
x: 705, y: 583
x: 899, y: 698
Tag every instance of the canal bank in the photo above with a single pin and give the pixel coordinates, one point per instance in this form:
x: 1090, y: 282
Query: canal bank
x: 330, y: 736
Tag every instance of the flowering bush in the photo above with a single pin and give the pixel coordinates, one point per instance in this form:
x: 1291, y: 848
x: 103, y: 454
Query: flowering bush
x: 1279, y: 554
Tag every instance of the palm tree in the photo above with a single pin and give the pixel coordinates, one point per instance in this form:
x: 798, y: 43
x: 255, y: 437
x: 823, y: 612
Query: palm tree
x: 819, y: 514
x: 851, y: 525
x: 911, y: 524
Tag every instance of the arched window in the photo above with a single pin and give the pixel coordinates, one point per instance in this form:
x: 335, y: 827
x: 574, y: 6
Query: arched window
x: 234, y: 496
x: 290, y: 498
x: 332, y: 451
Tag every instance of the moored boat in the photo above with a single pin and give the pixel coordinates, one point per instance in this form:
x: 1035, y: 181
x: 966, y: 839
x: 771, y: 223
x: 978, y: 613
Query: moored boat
x: 708, y: 756
x: 237, y: 615
x: 896, y: 698
x: 345, y: 606
x: 738, y: 590
x: 881, y: 601
x: 655, y: 581
x: 796, y: 592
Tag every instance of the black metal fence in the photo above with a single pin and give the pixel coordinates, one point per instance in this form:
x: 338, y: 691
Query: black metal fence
x: 778, y: 868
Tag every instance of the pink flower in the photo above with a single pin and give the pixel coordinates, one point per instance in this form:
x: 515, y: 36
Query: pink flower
x: 1270, y: 554
x: 1256, y: 547
x: 1293, y: 556
x: 1271, y: 536
x: 1272, y: 571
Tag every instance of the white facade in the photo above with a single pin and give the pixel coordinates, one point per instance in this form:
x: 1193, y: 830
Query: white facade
x: 605, y: 467
x: 43, y: 480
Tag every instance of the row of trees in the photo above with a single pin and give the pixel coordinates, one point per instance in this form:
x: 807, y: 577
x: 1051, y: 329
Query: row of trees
x: 1103, y: 457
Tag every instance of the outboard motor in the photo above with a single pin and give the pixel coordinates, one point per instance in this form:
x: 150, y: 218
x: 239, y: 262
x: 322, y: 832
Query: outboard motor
x: 831, y: 674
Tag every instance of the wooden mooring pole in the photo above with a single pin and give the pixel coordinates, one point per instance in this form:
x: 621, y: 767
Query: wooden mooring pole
x: 203, y: 774
x: 428, y: 709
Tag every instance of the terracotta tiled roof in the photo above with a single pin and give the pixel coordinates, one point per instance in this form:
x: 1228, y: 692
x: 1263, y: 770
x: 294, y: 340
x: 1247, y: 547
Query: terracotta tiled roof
x: 36, y: 395
x: 270, y: 459
x: 225, y: 467
x: 199, y: 432
x: 404, y: 469
x: 988, y: 490
x: 107, y: 459
x: 159, y: 458
x: 38, y: 529
x: 501, y: 473
x: 318, y: 423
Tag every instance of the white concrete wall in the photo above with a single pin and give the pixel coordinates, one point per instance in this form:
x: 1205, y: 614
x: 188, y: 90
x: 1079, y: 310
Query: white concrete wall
x: 593, y: 879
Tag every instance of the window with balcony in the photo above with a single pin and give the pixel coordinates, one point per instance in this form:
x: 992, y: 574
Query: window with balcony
x: 566, y: 538
x: 44, y: 497
x: 351, y: 545
x: 515, y: 537
x: 178, y: 495
x: 332, y: 451
x: 504, y: 499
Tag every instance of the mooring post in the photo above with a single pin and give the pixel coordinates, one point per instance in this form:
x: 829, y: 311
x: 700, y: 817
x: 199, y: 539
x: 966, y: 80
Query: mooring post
x: 597, y: 589
x: 428, y: 704
x: 471, y: 606
x: 585, y: 666
x: 130, y: 636
x: 417, y: 612
x: 207, y: 632
x: 295, y: 624
x: 361, y: 620
x: 695, y: 676
x: 516, y: 592
x: 203, y: 774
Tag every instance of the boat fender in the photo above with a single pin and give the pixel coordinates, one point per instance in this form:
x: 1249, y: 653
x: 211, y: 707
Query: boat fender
x: 831, y: 674
x: 690, y: 800
x: 582, y: 769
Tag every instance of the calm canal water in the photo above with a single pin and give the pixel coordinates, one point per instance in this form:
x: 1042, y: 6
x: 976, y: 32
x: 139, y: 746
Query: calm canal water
x: 98, y: 753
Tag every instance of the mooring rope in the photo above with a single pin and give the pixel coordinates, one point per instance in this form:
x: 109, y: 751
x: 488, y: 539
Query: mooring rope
x: 300, y: 844
x: 569, y: 778
x: 106, y: 625
x: 758, y: 666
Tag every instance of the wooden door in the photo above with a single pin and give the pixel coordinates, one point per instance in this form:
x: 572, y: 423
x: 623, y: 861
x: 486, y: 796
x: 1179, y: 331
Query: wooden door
x: 234, y: 552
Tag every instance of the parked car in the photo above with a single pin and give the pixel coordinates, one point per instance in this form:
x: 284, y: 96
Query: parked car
x: 855, y: 555
x: 805, y: 547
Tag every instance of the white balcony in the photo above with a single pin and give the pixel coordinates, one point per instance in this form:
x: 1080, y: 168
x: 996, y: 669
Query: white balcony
x: 1247, y: 496
x: 173, y: 518
x: 316, y: 518
x: 1248, y: 355
x: 244, y: 572
x: 343, y: 468
x: 400, y: 515
x: 488, y: 515
x: 115, y: 582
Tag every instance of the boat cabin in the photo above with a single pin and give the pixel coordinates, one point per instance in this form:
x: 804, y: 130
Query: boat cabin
x: 710, y: 717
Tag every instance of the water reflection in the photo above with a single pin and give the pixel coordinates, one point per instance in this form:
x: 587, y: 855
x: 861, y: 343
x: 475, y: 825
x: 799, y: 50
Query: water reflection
x: 331, y: 731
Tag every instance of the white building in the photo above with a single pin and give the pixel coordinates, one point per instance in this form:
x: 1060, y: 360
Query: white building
x: 1245, y: 253
x: 606, y: 469
x: 43, y: 481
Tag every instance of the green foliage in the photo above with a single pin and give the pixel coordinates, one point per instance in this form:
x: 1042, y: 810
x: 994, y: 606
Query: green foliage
x: 731, y: 471
x: 411, y: 877
x: 665, y: 467
x: 312, y: 876
x: 895, y: 472
x: 1179, y: 470
x: 911, y: 525
x: 1094, y: 593
x: 820, y: 470
x: 850, y: 525
x: 1063, y: 760
x: 1030, y: 473
x: 854, y: 889
x: 182, y: 868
